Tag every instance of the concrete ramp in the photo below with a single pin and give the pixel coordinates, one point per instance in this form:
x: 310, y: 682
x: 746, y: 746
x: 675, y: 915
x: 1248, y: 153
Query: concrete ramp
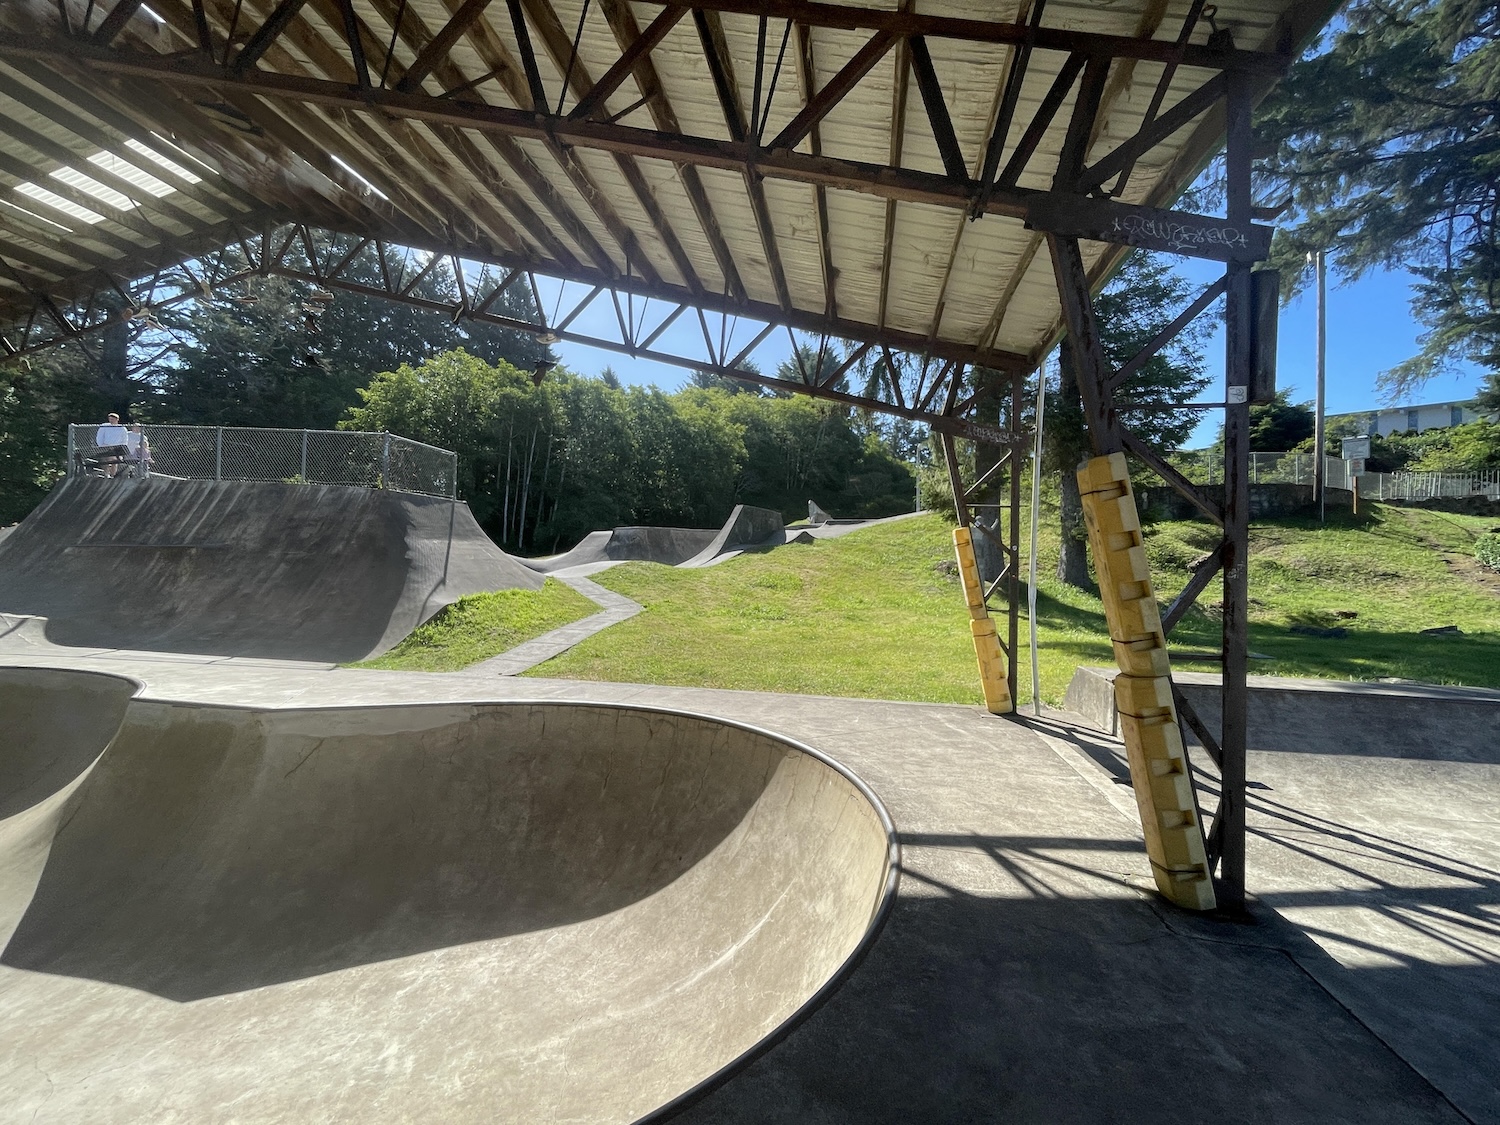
x: 666, y: 545
x: 492, y: 912
x: 241, y: 568
x: 746, y: 527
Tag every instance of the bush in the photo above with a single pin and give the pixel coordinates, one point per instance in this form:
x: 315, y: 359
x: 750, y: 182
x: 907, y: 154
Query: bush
x: 1487, y: 550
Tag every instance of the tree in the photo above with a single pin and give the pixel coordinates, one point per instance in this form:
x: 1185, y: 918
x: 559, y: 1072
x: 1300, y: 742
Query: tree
x: 712, y: 380
x: 1387, y: 140
x: 1141, y: 300
x: 1279, y: 425
x: 279, y: 352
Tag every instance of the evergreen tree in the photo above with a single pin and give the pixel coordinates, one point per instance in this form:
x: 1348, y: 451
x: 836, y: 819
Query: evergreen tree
x: 1387, y: 140
x: 1141, y: 300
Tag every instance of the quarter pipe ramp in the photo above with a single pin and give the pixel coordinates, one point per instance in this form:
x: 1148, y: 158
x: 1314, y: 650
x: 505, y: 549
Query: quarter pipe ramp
x: 242, y: 568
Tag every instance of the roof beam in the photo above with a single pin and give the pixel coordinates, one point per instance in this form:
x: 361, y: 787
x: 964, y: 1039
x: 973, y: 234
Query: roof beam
x: 937, y: 110
x: 626, y: 31
x: 1026, y: 147
x: 443, y: 42
x: 267, y: 33
x: 625, y: 65
x: 560, y: 50
x: 356, y: 44
x: 904, y: 24
x: 115, y: 22
x: 839, y: 85
x: 1154, y: 133
x: 721, y: 67
x: 873, y: 179
x: 807, y: 72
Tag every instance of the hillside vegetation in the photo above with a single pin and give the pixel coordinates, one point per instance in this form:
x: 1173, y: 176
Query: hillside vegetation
x: 879, y: 613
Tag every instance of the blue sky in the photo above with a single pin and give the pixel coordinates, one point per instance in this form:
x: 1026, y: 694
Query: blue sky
x: 1370, y: 328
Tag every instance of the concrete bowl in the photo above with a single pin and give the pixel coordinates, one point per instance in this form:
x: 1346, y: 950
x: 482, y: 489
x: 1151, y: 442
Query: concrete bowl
x: 522, y: 911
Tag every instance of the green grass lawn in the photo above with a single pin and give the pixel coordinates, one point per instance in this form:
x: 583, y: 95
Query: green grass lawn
x: 878, y: 614
x: 483, y: 625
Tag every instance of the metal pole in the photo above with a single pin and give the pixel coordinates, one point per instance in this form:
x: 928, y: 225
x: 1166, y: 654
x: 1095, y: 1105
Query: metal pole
x: 1013, y: 542
x: 304, y: 456
x: 1320, y: 482
x: 1236, y: 635
x: 218, y: 453
x: 385, y: 463
x: 71, y: 448
x: 1036, y: 504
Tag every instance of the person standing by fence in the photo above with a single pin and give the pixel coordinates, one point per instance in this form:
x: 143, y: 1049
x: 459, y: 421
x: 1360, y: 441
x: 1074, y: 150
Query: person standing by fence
x: 112, y: 440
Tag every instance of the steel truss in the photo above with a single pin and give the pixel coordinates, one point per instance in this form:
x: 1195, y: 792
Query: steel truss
x: 963, y: 390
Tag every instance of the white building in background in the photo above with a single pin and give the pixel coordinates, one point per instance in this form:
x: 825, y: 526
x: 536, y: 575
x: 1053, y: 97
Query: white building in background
x: 1399, y: 419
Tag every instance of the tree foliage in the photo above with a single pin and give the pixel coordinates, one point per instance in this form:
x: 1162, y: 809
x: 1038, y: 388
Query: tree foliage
x: 1388, y: 142
x: 541, y: 466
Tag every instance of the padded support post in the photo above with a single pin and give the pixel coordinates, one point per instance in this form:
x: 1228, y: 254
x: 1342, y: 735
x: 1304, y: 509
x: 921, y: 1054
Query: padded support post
x: 1143, y: 691
x: 993, y: 672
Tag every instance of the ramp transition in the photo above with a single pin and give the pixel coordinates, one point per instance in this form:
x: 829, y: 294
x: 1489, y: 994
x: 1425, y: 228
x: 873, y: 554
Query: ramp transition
x: 521, y: 912
x: 244, y: 568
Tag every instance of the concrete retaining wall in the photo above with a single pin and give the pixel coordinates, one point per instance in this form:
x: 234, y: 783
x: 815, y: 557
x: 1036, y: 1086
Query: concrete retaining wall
x: 1424, y: 721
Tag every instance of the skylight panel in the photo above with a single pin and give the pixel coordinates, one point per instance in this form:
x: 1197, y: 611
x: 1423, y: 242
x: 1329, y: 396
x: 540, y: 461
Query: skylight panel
x: 130, y: 173
x: 348, y: 168
x: 66, y: 206
x: 157, y: 158
x: 76, y: 179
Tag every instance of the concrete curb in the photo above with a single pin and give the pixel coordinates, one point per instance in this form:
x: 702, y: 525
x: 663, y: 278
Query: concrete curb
x: 616, y: 608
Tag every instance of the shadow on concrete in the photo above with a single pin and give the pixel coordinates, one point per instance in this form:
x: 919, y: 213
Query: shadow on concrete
x: 1053, y: 1008
x: 206, y: 856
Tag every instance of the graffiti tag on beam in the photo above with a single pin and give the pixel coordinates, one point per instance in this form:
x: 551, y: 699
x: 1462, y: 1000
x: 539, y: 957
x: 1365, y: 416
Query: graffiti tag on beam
x: 1174, y: 232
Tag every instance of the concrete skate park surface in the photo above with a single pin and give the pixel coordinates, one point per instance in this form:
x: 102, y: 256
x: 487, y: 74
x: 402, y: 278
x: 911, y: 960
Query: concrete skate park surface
x: 666, y: 545
x: 747, y: 528
x: 1025, y: 972
x: 237, y: 568
x: 441, y: 911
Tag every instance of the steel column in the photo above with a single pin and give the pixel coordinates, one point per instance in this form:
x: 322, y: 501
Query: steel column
x: 1229, y: 828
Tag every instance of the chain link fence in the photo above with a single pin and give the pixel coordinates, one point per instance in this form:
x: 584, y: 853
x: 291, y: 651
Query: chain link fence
x: 240, y: 453
x: 1206, y: 466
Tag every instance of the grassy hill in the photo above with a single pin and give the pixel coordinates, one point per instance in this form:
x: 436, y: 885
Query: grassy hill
x: 879, y: 613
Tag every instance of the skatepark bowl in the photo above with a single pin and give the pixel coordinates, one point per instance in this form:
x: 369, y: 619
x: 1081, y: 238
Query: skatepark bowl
x: 527, y: 911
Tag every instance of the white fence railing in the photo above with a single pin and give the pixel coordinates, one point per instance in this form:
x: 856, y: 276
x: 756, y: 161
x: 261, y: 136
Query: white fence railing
x: 1202, y: 467
x: 355, y: 457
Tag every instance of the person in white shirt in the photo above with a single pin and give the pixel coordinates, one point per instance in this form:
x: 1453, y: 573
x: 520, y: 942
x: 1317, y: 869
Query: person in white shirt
x: 113, y: 444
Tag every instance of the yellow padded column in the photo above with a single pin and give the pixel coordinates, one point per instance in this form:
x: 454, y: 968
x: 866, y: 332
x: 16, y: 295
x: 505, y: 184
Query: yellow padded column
x: 1143, y: 690
x: 992, y: 670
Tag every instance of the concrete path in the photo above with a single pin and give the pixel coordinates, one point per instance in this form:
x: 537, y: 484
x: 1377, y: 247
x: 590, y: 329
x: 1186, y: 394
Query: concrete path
x: 1027, y: 973
x: 530, y: 653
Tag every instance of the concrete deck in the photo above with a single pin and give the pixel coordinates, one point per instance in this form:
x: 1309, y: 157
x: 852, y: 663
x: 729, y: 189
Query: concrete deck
x: 1026, y: 973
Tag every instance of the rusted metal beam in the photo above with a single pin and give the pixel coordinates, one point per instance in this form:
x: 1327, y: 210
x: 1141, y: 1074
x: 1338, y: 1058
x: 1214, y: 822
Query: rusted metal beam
x: 625, y: 65
x: 906, y: 23
x: 874, y: 179
x: 356, y: 45
x: 838, y: 86
x: 1152, y: 134
x: 721, y: 68
x: 1041, y: 121
x: 115, y: 22
x: 622, y: 23
x: 441, y: 44
x: 807, y: 73
x: 937, y: 110
x: 1015, y: 76
x: 1172, y: 232
x: 277, y: 22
